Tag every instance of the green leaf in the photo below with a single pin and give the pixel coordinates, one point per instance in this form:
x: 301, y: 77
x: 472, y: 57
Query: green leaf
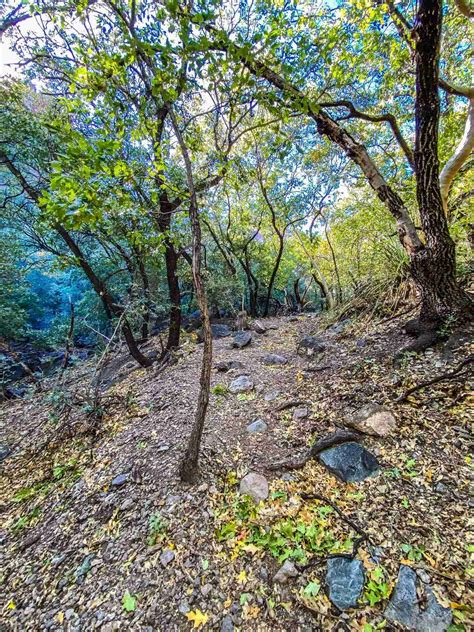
x: 129, y: 602
x: 312, y: 589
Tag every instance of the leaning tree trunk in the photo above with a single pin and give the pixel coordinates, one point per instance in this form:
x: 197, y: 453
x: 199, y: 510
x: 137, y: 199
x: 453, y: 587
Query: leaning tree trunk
x: 189, y: 468
x: 434, y: 266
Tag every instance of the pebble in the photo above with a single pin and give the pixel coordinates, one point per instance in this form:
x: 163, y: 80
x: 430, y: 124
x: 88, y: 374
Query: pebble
x: 167, y: 557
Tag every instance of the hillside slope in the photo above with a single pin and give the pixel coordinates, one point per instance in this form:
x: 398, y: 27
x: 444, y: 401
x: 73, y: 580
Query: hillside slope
x: 98, y: 532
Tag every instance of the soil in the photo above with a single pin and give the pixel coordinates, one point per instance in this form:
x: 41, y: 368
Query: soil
x: 81, y: 552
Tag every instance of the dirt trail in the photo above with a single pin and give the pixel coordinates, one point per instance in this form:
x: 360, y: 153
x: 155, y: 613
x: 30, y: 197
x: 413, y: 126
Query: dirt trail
x: 74, y: 541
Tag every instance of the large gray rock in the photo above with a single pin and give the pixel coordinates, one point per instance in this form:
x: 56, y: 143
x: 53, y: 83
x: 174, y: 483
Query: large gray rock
x: 227, y: 365
x: 258, y: 327
x: 220, y: 331
x: 241, y: 339
x: 309, y: 346
x: 350, y: 462
x: 241, y: 384
x: 373, y: 420
x: 274, y: 358
x: 405, y: 610
x: 345, y: 581
x: 257, y: 426
x: 285, y: 572
x: 254, y: 485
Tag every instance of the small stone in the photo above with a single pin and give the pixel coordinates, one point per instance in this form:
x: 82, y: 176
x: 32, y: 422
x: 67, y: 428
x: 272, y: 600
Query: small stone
x: 287, y: 477
x: 184, y: 607
x: 69, y: 614
x: 373, y: 420
x: 441, y: 488
x: 4, y: 451
x: 257, y: 426
x: 226, y: 365
x: 259, y: 327
x: 271, y: 396
x: 361, y: 343
x: 120, y: 480
x: 345, y: 580
x: 206, y: 589
x: 310, y: 345
x: 254, y: 485
x: 274, y: 359
x: 350, y: 462
x: 167, y: 557
x: 300, y: 413
x: 58, y: 560
x: 241, y: 339
x: 285, y: 572
x: 127, y: 504
x: 227, y: 624
x: 242, y: 384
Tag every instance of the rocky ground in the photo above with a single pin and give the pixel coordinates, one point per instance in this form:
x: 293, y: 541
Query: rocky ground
x: 98, y: 532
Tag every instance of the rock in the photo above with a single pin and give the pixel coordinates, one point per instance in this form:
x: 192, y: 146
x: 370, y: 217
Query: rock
x: 242, y: 384
x: 271, y: 396
x: 167, y: 557
x: 84, y: 568
x: 257, y: 426
x: 441, y: 488
x: 258, y: 327
x: 310, y: 345
x: 274, y: 358
x: 4, y: 451
x: 350, y: 462
x: 254, y: 485
x: 227, y: 624
x: 285, y: 572
x: 184, y: 607
x: 127, y: 504
x: 120, y: 480
x: 241, y: 339
x: 220, y: 331
x: 226, y: 365
x: 345, y: 581
x: 300, y: 413
x: 373, y: 420
x: 404, y: 608
x: 361, y: 343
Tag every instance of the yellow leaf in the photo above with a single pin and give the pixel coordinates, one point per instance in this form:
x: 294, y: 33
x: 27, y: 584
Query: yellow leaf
x: 60, y: 616
x: 11, y: 605
x: 227, y: 603
x: 242, y: 577
x: 197, y: 617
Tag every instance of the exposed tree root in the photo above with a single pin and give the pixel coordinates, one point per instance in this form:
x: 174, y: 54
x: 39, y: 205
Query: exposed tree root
x: 440, y: 378
x: 328, y: 441
x: 292, y: 403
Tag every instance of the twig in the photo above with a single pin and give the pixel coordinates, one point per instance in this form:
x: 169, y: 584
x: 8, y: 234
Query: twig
x: 439, y: 378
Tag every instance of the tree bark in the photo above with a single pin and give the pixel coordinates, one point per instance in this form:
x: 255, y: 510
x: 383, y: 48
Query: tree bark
x: 434, y: 266
x: 189, y: 468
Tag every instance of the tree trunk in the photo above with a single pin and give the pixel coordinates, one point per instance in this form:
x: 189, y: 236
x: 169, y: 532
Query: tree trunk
x: 433, y: 266
x: 189, y: 469
x: 276, y: 267
x: 171, y: 261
